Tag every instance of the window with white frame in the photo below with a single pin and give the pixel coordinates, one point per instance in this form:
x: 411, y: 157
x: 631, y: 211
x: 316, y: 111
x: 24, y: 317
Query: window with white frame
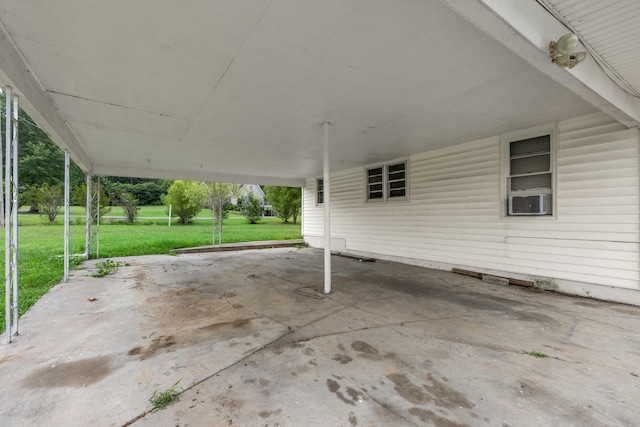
x: 387, y: 181
x: 319, y: 191
x: 529, y: 169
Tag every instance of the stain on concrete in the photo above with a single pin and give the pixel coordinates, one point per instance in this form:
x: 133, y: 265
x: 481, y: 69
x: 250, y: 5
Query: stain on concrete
x: 267, y: 414
x: 431, y: 417
x: 365, y: 349
x: 157, y: 344
x: 333, y: 385
x: 10, y: 358
x: 408, y: 390
x: 436, y: 392
x: 342, y: 358
x: 531, y: 316
x: 78, y: 373
x: 354, y: 395
x: 352, y: 419
x: 238, y: 323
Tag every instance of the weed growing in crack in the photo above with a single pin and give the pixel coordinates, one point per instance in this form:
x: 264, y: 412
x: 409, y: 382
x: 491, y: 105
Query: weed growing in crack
x: 535, y: 354
x: 160, y: 400
x: 107, y: 266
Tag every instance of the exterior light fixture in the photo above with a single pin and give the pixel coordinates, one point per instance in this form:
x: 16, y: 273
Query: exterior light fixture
x: 561, y: 51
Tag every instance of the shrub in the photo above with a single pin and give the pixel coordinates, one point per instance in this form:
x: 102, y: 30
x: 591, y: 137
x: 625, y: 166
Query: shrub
x: 186, y: 199
x: 251, y: 208
x: 129, y: 205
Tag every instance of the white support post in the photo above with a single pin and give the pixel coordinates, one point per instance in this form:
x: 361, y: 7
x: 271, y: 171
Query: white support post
x: 7, y: 229
x: 11, y: 214
x: 98, y: 222
x: 87, y: 253
x: 14, y: 212
x: 327, y: 212
x: 66, y: 216
x: 2, y: 201
x: 220, y: 203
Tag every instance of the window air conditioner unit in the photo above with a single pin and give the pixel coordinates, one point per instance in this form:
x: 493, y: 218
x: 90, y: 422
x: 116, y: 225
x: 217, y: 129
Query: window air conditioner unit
x: 529, y: 205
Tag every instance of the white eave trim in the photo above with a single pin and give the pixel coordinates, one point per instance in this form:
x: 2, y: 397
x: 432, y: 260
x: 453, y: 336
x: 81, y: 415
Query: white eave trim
x: 16, y: 73
x: 526, y: 28
x: 193, y: 175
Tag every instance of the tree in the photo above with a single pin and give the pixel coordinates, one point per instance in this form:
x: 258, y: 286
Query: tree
x: 129, y: 205
x: 80, y: 199
x: 40, y: 160
x: 186, y: 199
x: 219, y: 194
x: 251, y: 208
x: 47, y: 198
x: 286, y: 201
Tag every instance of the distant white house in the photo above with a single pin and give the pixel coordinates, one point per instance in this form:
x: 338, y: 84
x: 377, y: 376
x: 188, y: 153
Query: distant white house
x: 257, y: 191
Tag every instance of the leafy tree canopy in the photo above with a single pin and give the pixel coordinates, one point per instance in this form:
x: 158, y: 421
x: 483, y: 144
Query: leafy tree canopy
x: 186, y: 199
x: 285, y: 200
x: 252, y: 208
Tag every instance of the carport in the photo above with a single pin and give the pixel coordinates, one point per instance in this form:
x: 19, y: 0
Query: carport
x: 274, y: 92
x: 253, y: 341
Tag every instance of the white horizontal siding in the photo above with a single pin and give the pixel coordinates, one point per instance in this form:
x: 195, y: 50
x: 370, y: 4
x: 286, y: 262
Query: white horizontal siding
x: 453, y: 213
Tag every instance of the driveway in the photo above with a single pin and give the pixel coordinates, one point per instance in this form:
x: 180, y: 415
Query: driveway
x: 250, y: 340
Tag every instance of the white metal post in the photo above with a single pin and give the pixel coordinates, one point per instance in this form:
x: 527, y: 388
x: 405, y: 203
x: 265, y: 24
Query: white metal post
x: 98, y: 222
x: 66, y: 216
x: 11, y: 214
x: 14, y: 212
x: 327, y: 212
x: 87, y: 253
x: 2, y: 201
x: 220, y: 203
x: 7, y: 229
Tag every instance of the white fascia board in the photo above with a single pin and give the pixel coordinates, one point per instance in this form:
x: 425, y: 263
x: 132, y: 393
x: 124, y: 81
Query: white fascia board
x: 526, y: 28
x: 194, y: 175
x: 15, y: 72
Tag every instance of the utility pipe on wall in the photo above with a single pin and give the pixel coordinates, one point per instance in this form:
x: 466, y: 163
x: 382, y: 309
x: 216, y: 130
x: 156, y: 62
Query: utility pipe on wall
x: 327, y: 212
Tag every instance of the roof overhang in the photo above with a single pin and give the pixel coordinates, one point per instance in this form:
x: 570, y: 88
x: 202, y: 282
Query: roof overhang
x: 237, y: 91
x: 526, y: 29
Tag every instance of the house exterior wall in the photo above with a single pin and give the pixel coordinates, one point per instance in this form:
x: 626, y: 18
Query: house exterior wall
x: 453, y: 215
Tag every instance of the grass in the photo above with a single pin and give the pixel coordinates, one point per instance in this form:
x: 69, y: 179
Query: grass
x: 535, y: 354
x: 107, y: 266
x: 41, y: 250
x: 160, y: 400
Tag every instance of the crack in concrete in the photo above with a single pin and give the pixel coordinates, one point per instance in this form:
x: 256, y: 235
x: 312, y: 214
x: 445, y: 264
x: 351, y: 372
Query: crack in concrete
x: 237, y: 362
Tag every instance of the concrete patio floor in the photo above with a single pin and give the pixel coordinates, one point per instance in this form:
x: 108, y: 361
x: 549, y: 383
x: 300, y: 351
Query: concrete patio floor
x: 252, y: 342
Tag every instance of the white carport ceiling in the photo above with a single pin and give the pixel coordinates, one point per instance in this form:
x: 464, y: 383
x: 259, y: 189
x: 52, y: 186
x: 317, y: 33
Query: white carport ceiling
x: 237, y: 90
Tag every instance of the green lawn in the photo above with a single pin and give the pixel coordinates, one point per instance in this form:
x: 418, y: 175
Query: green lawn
x: 41, y: 245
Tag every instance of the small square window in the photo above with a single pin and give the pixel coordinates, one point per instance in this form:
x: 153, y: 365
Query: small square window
x: 319, y: 191
x: 374, y: 183
x: 387, y: 182
x: 396, y: 180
